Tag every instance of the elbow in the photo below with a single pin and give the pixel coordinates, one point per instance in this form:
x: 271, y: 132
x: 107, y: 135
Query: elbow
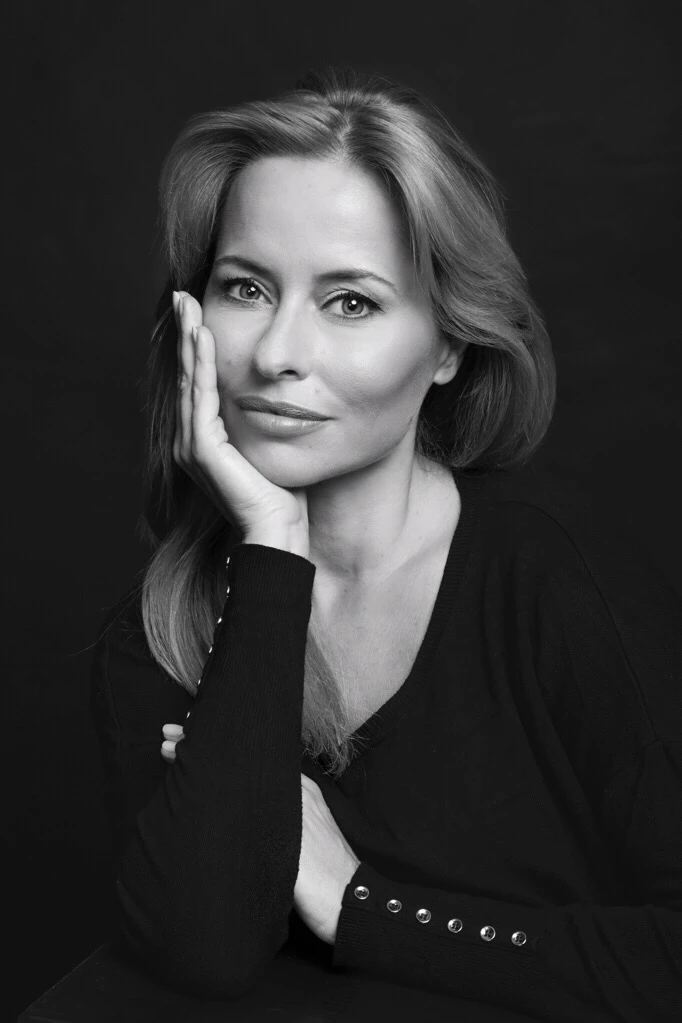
x: 196, y: 965
x: 203, y: 977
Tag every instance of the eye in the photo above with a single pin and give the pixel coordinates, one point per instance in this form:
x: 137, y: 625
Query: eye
x: 248, y: 292
x: 355, y: 298
x: 246, y: 285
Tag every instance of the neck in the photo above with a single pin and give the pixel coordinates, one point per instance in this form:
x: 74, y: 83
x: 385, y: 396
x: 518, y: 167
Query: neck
x: 359, y: 520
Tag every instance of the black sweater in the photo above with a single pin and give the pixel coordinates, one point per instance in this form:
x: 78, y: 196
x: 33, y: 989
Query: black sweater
x: 525, y: 780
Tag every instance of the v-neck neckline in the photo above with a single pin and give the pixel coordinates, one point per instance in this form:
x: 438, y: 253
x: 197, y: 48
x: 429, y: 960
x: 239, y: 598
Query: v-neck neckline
x: 384, y: 720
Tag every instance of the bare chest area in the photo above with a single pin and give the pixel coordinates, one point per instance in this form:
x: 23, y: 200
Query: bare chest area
x: 370, y: 641
x: 370, y: 635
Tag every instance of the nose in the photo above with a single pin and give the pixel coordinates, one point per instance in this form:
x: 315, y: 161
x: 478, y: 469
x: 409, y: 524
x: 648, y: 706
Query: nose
x: 287, y: 344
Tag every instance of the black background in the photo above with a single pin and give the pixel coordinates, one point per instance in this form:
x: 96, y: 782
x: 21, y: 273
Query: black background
x: 575, y: 108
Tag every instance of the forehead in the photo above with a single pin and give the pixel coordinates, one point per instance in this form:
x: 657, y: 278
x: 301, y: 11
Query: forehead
x: 314, y: 211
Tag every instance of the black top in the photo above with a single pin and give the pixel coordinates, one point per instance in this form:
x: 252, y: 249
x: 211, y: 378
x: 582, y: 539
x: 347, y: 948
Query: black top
x: 525, y: 782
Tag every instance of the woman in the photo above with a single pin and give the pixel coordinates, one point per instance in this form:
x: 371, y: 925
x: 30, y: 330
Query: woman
x: 379, y: 688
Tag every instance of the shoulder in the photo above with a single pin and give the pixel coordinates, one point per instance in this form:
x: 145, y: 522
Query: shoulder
x: 526, y: 501
x: 592, y: 592
x: 532, y: 526
x: 554, y: 537
x: 556, y: 523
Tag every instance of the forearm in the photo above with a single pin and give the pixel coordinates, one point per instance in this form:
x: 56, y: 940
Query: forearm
x: 586, y: 962
x: 206, y: 882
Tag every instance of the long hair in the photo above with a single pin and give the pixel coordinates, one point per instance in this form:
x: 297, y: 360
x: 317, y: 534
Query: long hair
x: 491, y: 416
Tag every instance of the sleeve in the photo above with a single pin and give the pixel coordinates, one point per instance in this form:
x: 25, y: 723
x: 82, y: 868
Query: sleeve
x: 560, y: 964
x: 609, y: 648
x: 207, y: 847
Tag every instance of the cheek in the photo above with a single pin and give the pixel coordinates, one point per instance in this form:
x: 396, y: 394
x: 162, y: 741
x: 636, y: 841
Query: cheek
x: 390, y: 380
x: 229, y: 370
x: 230, y: 355
x: 384, y: 377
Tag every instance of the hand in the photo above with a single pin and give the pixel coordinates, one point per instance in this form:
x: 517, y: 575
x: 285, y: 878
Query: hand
x: 172, y: 735
x: 326, y: 865
x: 201, y: 446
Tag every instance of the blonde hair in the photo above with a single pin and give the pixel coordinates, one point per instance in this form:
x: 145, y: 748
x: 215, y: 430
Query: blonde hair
x: 492, y: 415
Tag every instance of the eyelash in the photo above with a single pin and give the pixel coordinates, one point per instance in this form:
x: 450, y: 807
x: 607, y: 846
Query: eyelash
x: 227, y: 283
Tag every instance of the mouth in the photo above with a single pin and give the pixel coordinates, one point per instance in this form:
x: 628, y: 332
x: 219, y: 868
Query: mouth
x: 278, y: 425
x: 283, y: 409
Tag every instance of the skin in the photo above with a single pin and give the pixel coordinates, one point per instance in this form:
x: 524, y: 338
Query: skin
x: 354, y: 489
x: 367, y: 369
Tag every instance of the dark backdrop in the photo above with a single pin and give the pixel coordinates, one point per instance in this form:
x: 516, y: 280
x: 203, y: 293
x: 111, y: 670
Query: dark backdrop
x: 572, y: 104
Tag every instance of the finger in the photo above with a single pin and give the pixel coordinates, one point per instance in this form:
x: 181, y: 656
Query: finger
x: 172, y: 731
x: 206, y: 398
x: 167, y: 755
x: 183, y: 384
x: 186, y: 373
x: 169, y: 744
x: 173, y: 740
x: 178, y: 407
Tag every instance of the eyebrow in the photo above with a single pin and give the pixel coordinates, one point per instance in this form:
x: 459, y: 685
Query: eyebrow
x: 347, y: 273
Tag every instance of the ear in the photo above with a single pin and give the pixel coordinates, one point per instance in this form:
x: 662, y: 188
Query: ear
x: 450, y: 359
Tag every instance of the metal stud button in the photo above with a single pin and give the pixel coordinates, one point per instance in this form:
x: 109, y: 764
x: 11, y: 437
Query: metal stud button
x: 394, y: 905
x: 455, y: 925
x: 519, y: 938
x: 487, y: 933
x: 361, y: 892
x: 423, y: 916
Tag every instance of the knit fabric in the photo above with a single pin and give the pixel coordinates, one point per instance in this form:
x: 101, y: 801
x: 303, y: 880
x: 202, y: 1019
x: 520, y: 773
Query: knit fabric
x: 523, y: 785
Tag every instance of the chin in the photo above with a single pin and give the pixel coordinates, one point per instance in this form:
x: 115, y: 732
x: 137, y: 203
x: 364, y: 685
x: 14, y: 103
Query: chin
x: 283, y: 464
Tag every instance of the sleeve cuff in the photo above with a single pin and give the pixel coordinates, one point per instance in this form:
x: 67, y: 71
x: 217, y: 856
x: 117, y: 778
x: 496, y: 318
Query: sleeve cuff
x: 269, y: 575
x: 376, y: 911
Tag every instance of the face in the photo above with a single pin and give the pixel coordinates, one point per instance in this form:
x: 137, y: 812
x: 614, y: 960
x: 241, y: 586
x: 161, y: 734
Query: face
x: 291, y: 325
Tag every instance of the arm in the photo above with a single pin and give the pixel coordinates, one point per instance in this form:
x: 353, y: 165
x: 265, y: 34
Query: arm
x: 604, y: 629
x: 576, y: 962
x: 209, y: 853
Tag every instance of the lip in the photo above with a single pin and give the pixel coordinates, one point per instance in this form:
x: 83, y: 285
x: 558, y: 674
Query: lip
x: 279, y: 408
x: 280, y: 426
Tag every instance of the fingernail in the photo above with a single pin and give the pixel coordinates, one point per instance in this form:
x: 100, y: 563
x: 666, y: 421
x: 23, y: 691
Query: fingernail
x: 181, y: 302
x: 195, y: 332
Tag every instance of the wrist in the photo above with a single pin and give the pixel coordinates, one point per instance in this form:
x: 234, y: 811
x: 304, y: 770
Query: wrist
x: 284, y: 539
x: 329, y: 933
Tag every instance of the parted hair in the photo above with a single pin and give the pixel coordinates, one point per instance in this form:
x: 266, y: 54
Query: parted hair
x: 492, y: 415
